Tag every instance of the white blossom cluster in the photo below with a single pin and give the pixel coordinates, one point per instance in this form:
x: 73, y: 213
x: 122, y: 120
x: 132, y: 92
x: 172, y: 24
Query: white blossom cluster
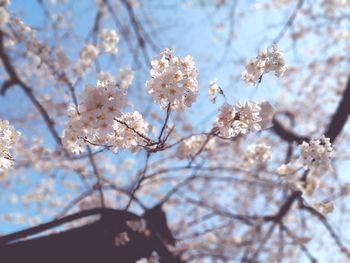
x: 257, y: 154
x: 130, y: 131
x: 241, y: 118
x: 194, y: 145
x: 173, y: 81
x: 213, y: 91
x: 286, y: 169
x: 265, y: 62
x: 316, y: 156
x: 99, y: 120
x: 8, y: 138
x: 125, y: 78
x: 110, y: 40
x: 316, y: 153
x: 87, y: 55
x: 308, y: 188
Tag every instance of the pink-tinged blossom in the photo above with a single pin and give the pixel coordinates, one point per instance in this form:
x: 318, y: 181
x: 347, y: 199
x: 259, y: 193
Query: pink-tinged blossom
x: 173, y: 80
x: 286, y: 169
x: 213, y: 91
x: 257, y: 154
x: 241, y: 118
x: 93, y: 122
x: 87, y: 55
x: 265, y: 62
x: 130, y: 131
x: 316, y: 153
x: 8, y: 138
x: 194, y: 145
x: 109, y: 40
x: 125, y: 78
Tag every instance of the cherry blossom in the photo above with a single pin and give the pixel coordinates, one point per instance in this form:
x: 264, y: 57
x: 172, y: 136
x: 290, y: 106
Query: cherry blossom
x: 257, y: 154
x: 93, y: 121
x: 130, y: 131
x: 110, y: 40
x: 286, y: 169
x: 265, y: 62
x: 241, y: 118
x: 317, y: 153
x: 173, y: 81
x: 213, y: 91
x: 8, y: 138
x: 195, y: 145
x: 87, y: 55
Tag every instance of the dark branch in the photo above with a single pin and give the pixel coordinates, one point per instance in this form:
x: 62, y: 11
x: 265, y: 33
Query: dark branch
x: 340, y: 116
x: 14, y: 79
x: 287, y: 135
x: 94, y: 242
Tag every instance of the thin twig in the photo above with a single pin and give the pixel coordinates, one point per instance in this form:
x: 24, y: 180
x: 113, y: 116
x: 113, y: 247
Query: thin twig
x: 97, y: 175
x: 289, y: 22
x: 138, y: 182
